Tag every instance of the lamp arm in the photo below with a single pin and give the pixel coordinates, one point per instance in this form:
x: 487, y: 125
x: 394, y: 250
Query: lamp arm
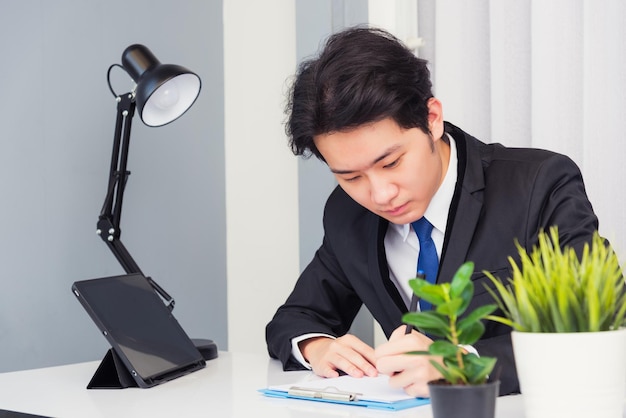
x: 108, y: 227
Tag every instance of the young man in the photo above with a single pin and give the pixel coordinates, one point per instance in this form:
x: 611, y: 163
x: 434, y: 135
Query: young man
x: 366, y: 109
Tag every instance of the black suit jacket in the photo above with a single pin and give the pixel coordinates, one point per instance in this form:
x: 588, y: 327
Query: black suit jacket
x: 502, y: 195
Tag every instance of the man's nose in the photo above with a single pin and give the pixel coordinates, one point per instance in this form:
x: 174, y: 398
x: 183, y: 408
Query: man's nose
x: 382, y: 191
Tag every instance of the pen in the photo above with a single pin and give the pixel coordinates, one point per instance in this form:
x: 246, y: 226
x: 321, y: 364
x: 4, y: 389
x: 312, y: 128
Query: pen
x: 414, y: 300
x: 329, y: 393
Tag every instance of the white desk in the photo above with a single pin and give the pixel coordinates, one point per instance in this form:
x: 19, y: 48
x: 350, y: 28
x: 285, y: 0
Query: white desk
x: 227, y: 387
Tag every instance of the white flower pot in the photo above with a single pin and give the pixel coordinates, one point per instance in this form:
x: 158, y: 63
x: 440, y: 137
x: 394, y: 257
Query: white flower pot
x: 572, y: 375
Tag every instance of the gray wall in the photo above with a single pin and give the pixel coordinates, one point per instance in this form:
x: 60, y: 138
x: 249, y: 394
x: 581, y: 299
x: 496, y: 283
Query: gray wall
x: 56, y: 126
x: 56, y: 130
x: 315, y: 20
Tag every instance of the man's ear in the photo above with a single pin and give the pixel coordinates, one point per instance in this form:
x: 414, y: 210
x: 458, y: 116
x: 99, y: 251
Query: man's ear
x: 435, y: 118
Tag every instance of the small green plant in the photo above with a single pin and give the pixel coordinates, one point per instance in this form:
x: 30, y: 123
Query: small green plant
x: 451, y: 301
x: 552, y: 290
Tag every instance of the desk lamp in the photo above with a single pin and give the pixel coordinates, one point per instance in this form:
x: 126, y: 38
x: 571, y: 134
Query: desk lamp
x: 162, y: 93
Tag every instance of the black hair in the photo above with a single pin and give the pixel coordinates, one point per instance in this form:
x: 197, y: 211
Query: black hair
x: 362, y: 75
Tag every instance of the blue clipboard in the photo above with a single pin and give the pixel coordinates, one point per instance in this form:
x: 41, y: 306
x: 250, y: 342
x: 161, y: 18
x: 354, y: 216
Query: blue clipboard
x: 326, y: 390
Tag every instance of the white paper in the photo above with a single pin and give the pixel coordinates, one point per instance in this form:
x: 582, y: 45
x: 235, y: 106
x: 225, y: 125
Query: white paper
x: 369, y: 388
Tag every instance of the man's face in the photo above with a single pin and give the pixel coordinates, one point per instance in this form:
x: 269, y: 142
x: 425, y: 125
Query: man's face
x: 391, y: 171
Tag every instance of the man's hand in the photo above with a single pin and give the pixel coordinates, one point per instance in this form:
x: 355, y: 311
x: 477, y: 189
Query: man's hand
x: 348, y: 354
x: 410, y: 372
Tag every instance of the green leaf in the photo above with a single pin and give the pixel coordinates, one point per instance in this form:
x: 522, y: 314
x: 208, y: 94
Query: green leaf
x: 620, y: 317
x: 447, y: 375
x: 471, y: 333
x: 421, y: 353
x: 429, y: 322
x: 476, y: 315
x: 429, y: 292
x: 443, y: 348
x: 462, y: 286
x: 478, y: 368
x: 451, y: 308
x: 456, y: 372
x: 461, y: 280
x: 505, y: 321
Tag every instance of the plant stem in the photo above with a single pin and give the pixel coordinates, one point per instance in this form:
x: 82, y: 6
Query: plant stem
x: 454, y: 338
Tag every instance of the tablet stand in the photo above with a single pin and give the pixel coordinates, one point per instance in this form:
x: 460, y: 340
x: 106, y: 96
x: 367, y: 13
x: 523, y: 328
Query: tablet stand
x: 111, y: 374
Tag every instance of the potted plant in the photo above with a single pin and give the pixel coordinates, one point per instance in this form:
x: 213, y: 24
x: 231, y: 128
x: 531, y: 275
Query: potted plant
x: 464, y: 390
x: 567, y: 313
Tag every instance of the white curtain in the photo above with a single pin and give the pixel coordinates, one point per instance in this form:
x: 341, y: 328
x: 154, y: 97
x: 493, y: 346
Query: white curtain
x: 541, y: 73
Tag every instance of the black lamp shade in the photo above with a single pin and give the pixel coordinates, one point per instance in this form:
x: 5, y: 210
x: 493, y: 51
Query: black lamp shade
x: 164, y: 91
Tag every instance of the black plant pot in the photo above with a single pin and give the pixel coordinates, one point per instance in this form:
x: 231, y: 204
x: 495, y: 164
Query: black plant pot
x: 461, y: 401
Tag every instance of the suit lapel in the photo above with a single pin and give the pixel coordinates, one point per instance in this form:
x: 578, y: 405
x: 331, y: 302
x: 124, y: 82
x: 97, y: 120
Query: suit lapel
x: 466, y: 205
x: 377, y: 262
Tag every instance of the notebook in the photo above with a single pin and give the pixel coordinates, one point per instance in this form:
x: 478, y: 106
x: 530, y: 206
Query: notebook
x: 144, y: 335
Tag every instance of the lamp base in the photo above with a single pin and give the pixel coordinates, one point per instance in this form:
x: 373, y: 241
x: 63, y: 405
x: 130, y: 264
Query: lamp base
x: 207, y: 348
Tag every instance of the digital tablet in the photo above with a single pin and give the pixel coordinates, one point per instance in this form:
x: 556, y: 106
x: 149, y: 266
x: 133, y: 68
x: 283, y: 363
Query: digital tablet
x: 139, y: 327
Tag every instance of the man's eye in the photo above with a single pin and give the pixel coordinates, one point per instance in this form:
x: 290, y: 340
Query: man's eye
x: 392, y: 164
x: 352, y: 179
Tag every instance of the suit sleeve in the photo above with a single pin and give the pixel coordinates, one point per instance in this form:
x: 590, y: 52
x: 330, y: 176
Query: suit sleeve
x: 560, y: 199
x: 322, y: 301
x: 556, y: 196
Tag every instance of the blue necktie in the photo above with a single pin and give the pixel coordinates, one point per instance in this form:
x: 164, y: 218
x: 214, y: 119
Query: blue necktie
x: 427, y: 260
